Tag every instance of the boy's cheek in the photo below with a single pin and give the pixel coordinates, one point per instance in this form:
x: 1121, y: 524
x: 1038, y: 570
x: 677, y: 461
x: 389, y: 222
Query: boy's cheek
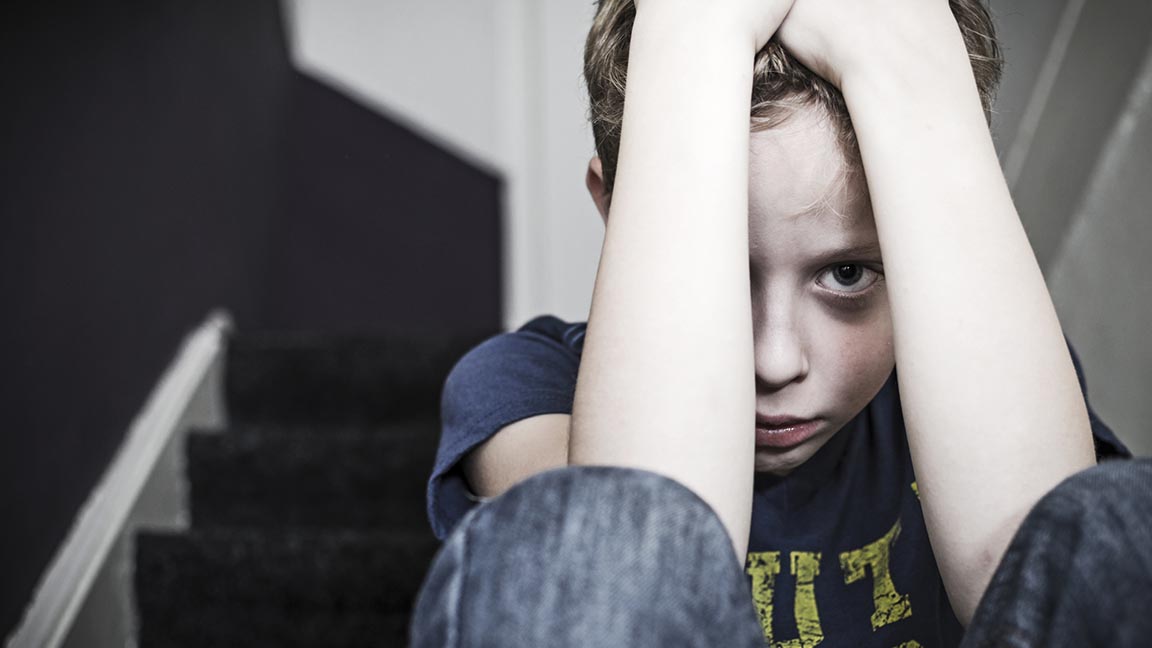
x: 862, y: 360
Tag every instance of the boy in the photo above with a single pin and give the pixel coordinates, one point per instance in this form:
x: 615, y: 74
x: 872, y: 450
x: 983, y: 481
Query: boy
x: 869, y: 134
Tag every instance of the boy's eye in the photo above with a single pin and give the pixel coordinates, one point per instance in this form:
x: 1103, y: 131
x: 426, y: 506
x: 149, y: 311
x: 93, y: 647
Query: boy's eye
x: 848, y: 277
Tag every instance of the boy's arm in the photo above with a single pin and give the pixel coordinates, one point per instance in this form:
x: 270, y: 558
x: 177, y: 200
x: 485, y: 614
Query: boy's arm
x: 516, y: 452
x: 666, y: 381
x: 993, y: 410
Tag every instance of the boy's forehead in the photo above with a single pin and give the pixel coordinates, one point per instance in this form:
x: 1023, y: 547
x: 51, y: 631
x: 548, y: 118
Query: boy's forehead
x: 797, y: 170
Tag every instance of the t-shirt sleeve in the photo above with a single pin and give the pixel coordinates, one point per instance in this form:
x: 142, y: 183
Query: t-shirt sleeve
x: 506, y: 378
x: 1108, y: 445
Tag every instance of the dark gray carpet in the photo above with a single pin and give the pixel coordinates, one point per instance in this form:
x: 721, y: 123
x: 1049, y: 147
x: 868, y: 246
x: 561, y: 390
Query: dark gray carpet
x: 308, y: 525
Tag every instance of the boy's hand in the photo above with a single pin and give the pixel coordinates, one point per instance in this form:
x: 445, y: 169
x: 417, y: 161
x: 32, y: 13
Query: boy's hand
x: 838, y: 39
x: 756, y: 19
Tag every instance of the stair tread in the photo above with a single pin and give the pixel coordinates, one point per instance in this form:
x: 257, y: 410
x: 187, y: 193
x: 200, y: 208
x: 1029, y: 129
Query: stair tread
x: 254, y: 626
x: 316, y: 379
x: 353, y: 477
x: 290, y: 569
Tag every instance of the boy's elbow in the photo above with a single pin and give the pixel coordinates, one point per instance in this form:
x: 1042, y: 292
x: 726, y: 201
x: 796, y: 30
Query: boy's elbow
x: 516, y: 452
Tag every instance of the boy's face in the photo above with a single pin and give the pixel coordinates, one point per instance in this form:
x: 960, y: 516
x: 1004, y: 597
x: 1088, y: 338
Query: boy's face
x: 821, y: 324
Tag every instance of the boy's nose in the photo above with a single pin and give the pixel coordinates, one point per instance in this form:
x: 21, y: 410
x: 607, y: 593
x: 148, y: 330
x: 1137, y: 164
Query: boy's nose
x: 780, y: 357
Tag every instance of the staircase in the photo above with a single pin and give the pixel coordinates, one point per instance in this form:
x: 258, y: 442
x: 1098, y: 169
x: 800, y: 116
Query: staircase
x: 307, y: 513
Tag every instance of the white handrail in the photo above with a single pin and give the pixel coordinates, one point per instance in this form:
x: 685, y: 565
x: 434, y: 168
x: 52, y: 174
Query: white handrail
x: 65, y: 585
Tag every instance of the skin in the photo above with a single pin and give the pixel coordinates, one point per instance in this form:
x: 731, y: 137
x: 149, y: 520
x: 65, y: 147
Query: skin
x: 822, y: 337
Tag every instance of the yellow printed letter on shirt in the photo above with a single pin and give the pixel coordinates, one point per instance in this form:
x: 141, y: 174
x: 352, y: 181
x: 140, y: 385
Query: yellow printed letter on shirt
x: 890, y: 605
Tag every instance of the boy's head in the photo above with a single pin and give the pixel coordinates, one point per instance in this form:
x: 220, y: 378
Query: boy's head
x: 821, y: 323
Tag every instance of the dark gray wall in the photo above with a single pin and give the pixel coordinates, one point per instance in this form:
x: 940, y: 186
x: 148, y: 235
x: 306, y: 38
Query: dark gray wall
x: 158, y: 159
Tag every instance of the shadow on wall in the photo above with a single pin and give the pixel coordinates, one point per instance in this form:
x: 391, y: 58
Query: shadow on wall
x: 163, y: 159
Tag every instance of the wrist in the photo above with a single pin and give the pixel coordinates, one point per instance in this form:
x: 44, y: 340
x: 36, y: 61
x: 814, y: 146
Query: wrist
x: 694, y: 25
x: 927, y: 55
x: 907, y: 84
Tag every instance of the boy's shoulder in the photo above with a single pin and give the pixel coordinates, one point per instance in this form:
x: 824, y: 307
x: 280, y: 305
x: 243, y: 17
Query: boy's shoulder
x: 570, y: 334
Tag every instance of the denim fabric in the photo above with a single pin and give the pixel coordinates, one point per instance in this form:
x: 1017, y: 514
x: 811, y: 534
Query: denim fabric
x: 596, y: 556
x: 1079, y: 570
x: 588, y: 556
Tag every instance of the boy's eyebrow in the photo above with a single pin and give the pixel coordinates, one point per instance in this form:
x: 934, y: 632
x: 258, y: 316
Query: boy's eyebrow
x: 863, y: 251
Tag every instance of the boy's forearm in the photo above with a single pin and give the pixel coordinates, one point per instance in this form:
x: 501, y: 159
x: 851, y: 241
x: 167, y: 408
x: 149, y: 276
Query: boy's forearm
x: 994, y: 413
x: 666, y: 380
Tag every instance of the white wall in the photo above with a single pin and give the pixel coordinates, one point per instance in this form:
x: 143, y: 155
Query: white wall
x: 1035, y: 35
x: 1078, y: 159
x: 1099, y: 277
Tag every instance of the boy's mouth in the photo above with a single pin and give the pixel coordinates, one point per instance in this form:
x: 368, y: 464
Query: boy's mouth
x: 784, y: 431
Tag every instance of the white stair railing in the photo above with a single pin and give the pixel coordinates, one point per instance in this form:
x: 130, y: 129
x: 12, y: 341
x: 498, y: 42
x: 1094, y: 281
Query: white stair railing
x: 84, y: 597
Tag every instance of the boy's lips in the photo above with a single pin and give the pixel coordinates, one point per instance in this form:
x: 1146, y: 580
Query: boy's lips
x: 784, y: 431
x: 780, y: 420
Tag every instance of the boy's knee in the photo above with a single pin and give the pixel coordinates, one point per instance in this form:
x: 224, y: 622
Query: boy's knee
x: 1114, y: 486
x: 1105, y: 510
x: 605, y: 549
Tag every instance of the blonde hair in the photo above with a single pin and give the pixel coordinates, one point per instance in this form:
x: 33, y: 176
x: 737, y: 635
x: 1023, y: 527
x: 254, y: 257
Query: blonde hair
x: 780, y: 84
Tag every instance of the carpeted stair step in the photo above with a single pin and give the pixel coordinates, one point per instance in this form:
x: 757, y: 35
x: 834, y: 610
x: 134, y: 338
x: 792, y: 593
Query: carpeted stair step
x: 353, y: 477
x: 302, y: 378
x: 258, y: 587
x: 226, y: 626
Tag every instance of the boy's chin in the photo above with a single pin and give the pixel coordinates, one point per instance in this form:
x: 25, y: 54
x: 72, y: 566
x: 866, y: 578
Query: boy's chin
x: 782, y: 462
x: 771, y: 462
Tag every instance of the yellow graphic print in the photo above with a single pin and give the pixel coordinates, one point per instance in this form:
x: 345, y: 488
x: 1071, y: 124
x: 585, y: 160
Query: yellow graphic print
x: 910, y: 644
x: 763, y: 567
x: 890, y: 605
x: 915, y: 489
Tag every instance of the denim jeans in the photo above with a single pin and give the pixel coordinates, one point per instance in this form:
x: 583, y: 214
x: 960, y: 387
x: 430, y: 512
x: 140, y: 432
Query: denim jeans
x: 579, y: 556
x: 1079, y: 570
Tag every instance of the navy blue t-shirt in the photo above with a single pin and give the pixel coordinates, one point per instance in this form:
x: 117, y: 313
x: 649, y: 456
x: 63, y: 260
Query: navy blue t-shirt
x: 838, y: 553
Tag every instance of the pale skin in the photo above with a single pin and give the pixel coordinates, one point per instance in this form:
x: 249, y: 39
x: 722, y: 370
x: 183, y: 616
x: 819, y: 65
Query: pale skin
x: 992, y: 407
